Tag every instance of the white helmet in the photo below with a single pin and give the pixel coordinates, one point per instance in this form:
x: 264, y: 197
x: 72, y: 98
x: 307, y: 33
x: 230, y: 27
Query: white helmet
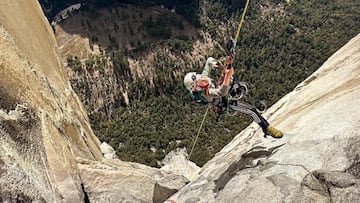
x: 211, y: 62
x: 190, y: 80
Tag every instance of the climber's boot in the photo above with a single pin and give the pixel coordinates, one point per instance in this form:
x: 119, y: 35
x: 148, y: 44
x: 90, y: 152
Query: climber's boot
x: 273, y: 132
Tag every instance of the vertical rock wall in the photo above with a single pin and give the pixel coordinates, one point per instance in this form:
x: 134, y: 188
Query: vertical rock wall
x: 48, y: 152
x: 43, y: 126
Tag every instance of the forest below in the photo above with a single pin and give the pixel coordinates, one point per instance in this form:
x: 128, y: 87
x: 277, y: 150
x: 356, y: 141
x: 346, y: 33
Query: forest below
x: 279, y: 46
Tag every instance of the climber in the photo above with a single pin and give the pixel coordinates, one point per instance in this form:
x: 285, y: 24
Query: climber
x: 203, y: 90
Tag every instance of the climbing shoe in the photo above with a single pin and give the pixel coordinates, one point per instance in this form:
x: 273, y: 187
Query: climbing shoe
x: 273, y: 132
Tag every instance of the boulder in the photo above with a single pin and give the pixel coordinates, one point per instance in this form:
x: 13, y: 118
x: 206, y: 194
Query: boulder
x: 113, y: 180
x: 178, y: 163
x: 108, y: 151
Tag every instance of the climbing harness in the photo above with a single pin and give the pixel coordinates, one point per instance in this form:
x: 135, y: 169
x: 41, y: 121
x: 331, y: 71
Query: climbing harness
x: 238, y: 90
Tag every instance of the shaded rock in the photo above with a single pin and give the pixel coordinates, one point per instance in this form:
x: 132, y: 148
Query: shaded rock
x: 311, y: 182
x: 336, y: 179
x: 341, y: 186
x: 353, y: 153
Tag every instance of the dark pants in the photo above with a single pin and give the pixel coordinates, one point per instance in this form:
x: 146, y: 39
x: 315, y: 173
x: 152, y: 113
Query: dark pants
x: 246, y: 108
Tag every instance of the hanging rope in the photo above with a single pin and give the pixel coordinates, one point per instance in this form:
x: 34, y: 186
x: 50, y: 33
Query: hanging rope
x: 198, y: 133
x: 231, y: 56
x: 232, y: 43
x: 241, y: 21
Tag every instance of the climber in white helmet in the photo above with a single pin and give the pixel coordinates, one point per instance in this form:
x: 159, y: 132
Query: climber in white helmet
x: 201, y: 85
x: 203, y: 90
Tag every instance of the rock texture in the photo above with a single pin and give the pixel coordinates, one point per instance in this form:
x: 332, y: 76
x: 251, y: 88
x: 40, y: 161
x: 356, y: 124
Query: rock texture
x: 108, y: 151
x: 178, y: 163
x: 43, y: 126
x: 317, y: 160
x: 44, y: 129
x: 118, y: 181
x: 48, y: 152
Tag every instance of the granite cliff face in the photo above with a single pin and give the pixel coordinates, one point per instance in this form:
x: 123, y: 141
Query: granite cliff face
x: 48, y: 152
x: 317, y: 160
x: 43, y: 125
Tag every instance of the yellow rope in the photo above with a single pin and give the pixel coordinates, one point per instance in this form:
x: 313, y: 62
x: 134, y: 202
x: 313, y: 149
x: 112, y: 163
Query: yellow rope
x: 207, y: 109
x: 198, y: 133
x: 241, y: 21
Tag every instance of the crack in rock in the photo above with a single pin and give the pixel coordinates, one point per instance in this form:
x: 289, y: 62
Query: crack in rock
x: 337, y: 185
x: 352, y: 153
x: 246, y: 161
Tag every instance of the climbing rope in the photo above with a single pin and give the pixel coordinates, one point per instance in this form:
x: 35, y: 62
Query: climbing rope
x: 241, y: 21
x: 198, y: 133
x: 207, y: 109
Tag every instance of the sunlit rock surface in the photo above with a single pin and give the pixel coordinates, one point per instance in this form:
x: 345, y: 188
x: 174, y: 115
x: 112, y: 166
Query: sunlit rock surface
x: 118, y: 181
x: 317, y: 160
